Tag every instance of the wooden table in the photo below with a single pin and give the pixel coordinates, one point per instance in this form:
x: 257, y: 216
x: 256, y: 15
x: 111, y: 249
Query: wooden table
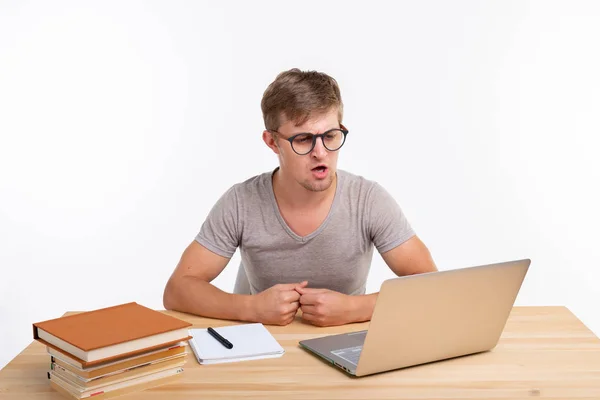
x: 544, y: 352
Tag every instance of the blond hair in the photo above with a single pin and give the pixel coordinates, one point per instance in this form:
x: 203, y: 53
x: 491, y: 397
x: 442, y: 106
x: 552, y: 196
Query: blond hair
x: 297, y: 95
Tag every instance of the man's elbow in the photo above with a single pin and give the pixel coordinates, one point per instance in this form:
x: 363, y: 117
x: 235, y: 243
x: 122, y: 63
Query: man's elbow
x: 426, y: 266
x: 420, y: 268
x: 169, y: 296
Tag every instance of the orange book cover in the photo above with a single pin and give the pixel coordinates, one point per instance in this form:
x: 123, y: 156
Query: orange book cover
x: 106, y: 328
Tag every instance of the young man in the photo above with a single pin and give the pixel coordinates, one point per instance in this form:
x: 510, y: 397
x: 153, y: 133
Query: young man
x: 306, y: 231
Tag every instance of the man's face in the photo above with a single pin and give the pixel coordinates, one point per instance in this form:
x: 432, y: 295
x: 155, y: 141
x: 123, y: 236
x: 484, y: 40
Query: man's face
x: 316, y: 170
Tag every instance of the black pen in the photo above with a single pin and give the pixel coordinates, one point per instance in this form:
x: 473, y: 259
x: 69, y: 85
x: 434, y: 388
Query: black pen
x: 220, y: 338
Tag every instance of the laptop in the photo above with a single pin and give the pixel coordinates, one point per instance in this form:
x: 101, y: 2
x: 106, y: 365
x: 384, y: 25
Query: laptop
x: 428, y: 317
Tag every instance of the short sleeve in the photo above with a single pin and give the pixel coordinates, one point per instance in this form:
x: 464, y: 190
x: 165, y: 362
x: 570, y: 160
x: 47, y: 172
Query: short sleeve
x: 220, y: 231
x: 387, y: 225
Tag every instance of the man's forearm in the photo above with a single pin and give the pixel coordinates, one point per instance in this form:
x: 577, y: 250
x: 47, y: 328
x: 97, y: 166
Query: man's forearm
x: 363, y: 307
x: 195, y: 296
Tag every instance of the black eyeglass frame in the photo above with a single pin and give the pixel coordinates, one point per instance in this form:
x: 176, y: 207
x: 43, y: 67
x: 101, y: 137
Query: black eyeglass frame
x: 342, y: 129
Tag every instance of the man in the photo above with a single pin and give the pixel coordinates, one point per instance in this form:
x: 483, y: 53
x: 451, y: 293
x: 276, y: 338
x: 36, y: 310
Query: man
x: 306, y: 231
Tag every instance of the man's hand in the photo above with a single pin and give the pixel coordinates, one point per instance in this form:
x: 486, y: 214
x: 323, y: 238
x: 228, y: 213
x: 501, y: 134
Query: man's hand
x: 278, y: 304
x: 324, y: 307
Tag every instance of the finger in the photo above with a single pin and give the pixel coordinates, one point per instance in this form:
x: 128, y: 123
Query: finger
x: 291, y: 286
x: 300, y: 287
x: 290, y: 319
x: 306, y: 299
x: 286, y: 286
x: 308, y: 316
x: 306, y: 290
x: 313, y: 319
x: 291, y: 296
x: 293, y: 307
x: 309, y: 309
x: 310, y: 298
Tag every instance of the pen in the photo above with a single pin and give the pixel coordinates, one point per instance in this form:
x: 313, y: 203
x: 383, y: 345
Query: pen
x: 220, y: 338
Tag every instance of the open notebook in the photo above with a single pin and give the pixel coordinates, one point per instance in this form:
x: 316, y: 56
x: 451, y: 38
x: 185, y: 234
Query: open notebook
x: 250, y: 342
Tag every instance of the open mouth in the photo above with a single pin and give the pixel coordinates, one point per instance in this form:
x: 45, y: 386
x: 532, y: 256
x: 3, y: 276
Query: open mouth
x: 320, y: 168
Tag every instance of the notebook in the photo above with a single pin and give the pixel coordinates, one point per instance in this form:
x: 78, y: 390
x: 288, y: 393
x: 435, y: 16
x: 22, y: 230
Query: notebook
x: 250, y: 342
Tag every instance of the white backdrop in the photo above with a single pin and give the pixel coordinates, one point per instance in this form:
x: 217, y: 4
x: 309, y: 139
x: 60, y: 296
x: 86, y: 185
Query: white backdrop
x: 121, y: 124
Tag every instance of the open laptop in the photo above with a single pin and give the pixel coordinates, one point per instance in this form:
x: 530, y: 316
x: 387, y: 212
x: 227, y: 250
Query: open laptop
x: 428, y: 317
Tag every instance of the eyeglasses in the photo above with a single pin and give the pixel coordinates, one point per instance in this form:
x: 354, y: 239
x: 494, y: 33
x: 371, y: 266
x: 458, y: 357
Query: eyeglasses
x: 304, y: 143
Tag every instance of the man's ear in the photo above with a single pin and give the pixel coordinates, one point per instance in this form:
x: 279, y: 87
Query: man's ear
x: 270, y: 141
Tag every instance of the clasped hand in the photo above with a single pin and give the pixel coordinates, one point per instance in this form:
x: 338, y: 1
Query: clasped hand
x: 279, y: 304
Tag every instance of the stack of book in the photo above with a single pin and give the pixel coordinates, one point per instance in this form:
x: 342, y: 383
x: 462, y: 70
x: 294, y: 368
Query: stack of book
x: 113, y: 351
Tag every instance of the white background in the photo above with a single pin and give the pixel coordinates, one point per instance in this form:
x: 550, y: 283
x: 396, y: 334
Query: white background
x: 121, y: 124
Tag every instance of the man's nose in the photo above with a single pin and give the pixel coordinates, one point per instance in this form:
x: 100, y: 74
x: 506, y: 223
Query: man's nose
x: 319, y: 151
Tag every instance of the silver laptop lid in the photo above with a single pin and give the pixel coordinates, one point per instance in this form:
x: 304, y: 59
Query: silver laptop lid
x: 434, y: 316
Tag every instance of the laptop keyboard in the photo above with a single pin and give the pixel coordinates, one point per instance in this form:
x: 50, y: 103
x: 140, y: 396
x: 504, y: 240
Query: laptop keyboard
x: 350, y: 354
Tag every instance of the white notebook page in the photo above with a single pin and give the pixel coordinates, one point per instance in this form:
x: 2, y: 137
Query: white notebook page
x: 250, y: 342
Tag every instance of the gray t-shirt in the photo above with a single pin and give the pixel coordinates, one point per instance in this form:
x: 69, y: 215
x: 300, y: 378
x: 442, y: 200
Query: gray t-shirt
x: 336, y: 256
